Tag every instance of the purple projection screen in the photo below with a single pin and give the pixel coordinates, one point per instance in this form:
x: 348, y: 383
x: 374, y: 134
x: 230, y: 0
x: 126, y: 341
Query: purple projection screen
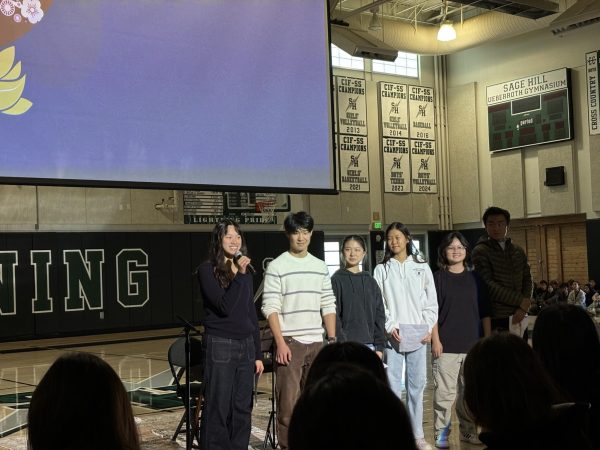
x: 162, y: 93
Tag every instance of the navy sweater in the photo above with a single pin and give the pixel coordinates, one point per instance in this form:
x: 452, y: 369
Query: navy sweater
x: 229, y: 312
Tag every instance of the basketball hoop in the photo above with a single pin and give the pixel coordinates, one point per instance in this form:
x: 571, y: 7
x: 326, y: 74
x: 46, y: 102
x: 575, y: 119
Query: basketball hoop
x: 266, y: 208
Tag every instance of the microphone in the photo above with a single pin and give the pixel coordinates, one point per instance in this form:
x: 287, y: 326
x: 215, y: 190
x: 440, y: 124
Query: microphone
x: 237, y: 256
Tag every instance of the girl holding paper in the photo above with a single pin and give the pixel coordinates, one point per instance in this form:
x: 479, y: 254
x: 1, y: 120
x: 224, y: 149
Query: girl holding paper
x: 411, y: 311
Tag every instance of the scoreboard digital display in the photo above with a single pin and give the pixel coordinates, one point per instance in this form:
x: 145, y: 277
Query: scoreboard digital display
x: 530, y: 111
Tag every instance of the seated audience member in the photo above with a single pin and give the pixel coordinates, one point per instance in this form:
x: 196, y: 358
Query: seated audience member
x: 348, y: 408
x: 559, y: 295
x: 576, y: 296
x: 81, y: 404
x: 566, y: 340
x: 515, y: 401
x: 589, y: 294
x: 594, y: 308
x: 542, y: 293
x: 346, y: 352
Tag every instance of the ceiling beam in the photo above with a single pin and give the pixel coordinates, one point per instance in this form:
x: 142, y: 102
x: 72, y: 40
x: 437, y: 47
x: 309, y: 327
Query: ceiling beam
x: 364, y: 8
x: 544, y: 5
x: 332, y: 5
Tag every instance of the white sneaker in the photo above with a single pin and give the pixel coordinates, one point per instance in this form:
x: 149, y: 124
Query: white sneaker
x: 422, y: 444
x: 470, y: 438
x: 441, y: 441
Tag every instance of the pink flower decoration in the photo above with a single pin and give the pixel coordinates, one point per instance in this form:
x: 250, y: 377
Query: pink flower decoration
x: 32, y: 10
x: 7, y: 7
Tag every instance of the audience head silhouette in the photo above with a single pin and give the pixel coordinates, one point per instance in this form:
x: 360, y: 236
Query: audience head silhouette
x: 347, y: 408
x: 81, y: 404
x: 346, y: 352
x: 515, y: 401
x: 566, y: 340
x: 506, y: 387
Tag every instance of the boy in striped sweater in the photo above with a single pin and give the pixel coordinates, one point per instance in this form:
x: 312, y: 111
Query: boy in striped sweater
x: 297, y: 300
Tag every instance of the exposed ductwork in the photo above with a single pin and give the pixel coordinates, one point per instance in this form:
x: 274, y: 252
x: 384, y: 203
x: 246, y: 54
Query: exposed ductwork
x: 581, y: 14
x: 491, y: 26
x: 478, y: 30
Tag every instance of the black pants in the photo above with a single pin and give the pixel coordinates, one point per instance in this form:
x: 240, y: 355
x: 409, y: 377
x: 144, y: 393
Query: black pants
x: 229, y: 380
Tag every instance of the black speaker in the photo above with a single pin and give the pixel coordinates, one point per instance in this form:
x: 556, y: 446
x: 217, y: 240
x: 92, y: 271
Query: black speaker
x: 555, y: 176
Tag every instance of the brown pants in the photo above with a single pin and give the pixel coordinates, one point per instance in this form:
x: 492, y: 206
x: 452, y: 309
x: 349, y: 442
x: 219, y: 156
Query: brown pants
x: 289, y: 383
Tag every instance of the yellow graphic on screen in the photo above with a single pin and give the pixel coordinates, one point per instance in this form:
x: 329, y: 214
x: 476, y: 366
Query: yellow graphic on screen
x: 12, y: 85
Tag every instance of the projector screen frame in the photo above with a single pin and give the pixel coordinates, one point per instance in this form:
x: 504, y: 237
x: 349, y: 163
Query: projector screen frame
x: 230, y: 186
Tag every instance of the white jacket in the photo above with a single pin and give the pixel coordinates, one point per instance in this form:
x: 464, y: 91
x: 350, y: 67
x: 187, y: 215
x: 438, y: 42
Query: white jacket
x: 408, y: 292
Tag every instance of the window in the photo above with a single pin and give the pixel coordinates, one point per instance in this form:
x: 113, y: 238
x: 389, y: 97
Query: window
x: 406, y: 64
x: 332, y: 256
x: 339, y: 58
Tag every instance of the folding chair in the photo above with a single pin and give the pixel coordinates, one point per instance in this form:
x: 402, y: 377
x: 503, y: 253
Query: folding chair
x: 177, y: 362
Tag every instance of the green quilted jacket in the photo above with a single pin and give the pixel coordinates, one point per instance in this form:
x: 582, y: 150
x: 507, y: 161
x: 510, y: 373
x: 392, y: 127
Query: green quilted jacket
x: 505, y: 272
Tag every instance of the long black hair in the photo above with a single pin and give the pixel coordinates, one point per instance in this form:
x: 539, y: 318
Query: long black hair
x: 216, y: 255
x: 442, y: 261
x: 506, y: 387
x: 101, y: 418
x: 410, y: 246
x: 566, y: 340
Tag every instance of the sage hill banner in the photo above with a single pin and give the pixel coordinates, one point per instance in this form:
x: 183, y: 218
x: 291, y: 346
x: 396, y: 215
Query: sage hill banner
x: 80, y: 283
x: 351, y: 105
x: 396, y: 165
x: 57, y: 284
x: 354, y: 163
x: 393, y: 109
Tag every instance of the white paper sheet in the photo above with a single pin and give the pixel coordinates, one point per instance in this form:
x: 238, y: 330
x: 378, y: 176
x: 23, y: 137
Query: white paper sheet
x: 411, y: 336
x: 518, y: 328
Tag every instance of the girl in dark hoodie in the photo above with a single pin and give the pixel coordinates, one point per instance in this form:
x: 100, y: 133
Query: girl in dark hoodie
x: 359, y: 306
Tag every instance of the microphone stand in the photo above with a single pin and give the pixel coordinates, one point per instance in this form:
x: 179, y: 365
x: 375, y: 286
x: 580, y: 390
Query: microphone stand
x: 188, y: 327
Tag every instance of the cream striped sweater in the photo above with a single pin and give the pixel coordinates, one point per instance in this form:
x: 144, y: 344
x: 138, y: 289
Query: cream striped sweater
x: 299, y: 291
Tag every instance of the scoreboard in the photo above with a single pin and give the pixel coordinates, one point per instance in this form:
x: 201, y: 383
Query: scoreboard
x: 530, y: 111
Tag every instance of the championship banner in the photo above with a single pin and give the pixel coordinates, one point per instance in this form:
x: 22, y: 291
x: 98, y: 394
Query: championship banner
x: 423, y: 163
x: 393, y: 109
x: 422, y: 114
x: 591, y: 64
x: 529, y: 111
x: 351, y: 105
x: 396, y: 165
x: 354, y: 163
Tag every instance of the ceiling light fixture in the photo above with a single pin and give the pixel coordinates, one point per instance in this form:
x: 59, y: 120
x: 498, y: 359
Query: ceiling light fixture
x: 446, y: 32
x: 375, y: 23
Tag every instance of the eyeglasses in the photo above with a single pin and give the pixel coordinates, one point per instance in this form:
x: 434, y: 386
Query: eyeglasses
x: 460, y: 248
